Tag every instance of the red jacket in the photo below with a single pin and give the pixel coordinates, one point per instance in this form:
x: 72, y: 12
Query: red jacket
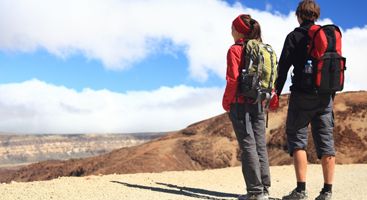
x: 234, y: 56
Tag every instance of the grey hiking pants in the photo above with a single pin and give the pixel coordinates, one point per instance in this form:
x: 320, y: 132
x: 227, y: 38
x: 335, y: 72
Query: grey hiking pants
x: 250, y: 133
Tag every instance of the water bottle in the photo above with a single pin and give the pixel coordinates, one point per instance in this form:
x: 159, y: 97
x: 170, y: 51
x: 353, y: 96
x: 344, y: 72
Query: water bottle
x: 308, y: 67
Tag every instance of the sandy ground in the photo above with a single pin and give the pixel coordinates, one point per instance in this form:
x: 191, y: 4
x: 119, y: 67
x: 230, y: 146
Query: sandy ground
x: 350, y: 183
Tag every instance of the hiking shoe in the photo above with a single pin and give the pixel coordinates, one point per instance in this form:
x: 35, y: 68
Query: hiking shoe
x: 266, y: 192
x: 253, y: 197
x: 266, y: 195
x: 324, y: 196
x: 294, y: 195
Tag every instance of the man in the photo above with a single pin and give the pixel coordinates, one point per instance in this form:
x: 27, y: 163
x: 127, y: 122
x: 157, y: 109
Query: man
x: 305, y: 107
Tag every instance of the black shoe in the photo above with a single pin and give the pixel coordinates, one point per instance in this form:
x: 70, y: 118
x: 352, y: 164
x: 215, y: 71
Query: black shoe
x: 324, y: 196
x: 253, y: 197
x: 266, y: 192
x: 294, y: 195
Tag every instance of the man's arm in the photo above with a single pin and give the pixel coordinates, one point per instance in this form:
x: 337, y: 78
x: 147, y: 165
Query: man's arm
x: 285, y: 62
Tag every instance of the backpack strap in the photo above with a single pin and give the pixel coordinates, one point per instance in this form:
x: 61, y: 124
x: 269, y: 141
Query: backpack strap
x: 268, y: 97
x: 242, y: 63
x: 311, y: 41
x: 259, y: 69
x: 250, y: 62
x: 272, y: 70
x: 261, y: 62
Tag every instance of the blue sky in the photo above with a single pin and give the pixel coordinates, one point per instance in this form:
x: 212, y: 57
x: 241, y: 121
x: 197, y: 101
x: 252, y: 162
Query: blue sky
x: 39, y: 47
x: 347, y: 14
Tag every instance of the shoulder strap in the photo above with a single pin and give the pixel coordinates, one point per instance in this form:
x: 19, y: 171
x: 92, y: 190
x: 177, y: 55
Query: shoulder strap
x: 312, y: 42
x: 242, y: 64
x: 304, y: 30
x: 273, y: 66
x: 261, y: 61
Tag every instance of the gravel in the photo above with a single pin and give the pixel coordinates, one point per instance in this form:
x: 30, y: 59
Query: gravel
x: 227, y: 183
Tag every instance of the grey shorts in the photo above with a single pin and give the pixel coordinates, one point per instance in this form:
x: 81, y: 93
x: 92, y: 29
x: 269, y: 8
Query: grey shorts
x: 315, y: 109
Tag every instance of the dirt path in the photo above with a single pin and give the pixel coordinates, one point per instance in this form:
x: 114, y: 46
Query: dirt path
x: 350, y: 183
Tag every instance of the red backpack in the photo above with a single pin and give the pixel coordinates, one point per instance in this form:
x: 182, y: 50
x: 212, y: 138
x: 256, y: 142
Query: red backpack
x: 325, y: 52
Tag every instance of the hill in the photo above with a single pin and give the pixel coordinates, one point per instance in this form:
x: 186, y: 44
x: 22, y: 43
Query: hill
x: 210, y: 144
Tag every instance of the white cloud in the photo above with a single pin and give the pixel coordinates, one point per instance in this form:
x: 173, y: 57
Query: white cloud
x: 121, y: 33
x: 355, y: 49
x: 38, y: 107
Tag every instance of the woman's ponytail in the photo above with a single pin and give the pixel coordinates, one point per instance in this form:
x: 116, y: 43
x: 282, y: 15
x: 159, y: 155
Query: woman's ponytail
x: 255, y: 29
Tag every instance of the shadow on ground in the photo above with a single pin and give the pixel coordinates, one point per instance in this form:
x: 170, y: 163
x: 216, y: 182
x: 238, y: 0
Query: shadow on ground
x: 184, y: 191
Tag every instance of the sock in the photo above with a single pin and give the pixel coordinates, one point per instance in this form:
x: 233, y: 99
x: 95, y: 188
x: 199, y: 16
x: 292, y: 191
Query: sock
x: 301, y: 186
x: 327, y: 188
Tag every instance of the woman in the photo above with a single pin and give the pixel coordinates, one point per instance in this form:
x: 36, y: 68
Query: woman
x: 250, y: 134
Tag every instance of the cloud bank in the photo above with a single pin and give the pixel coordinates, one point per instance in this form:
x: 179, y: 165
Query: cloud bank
x: 38, y: 107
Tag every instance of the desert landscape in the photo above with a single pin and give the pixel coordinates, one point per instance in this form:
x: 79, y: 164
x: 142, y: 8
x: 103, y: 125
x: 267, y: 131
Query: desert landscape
x: 17, y: 149
x: 190, y: 153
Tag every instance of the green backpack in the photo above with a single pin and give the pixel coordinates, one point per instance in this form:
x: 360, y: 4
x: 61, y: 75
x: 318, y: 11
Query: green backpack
x: 258, y: 71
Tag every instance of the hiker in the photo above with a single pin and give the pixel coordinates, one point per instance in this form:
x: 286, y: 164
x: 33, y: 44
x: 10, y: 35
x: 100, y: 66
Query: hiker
x: 250, y: 133
x: 308, y: 103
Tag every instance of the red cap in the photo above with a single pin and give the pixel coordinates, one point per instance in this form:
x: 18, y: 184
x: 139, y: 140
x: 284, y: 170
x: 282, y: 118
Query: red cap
x: 240, y: 26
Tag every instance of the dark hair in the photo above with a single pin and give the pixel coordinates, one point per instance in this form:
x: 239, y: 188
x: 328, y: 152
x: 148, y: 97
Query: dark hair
x: 308, y: 10
x: 255, y: 29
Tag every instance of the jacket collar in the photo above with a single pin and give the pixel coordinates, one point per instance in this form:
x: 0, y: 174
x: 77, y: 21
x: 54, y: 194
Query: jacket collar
x: 240, y: 41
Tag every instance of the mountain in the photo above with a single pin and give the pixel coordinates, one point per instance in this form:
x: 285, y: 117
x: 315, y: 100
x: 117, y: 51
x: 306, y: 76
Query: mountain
x: 210, y: 144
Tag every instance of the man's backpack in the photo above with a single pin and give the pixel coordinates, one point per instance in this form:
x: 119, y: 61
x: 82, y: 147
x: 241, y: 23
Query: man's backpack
x: 325, y: 51
x: 258, y: 71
